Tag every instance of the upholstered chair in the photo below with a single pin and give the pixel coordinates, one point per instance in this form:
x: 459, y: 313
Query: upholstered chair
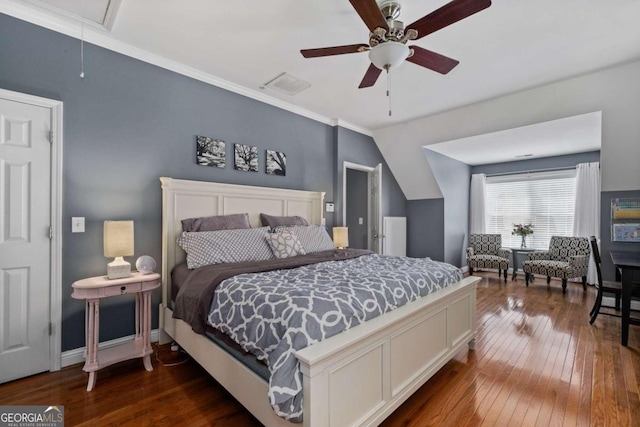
x: 486, y: 251
x: 567, y: 257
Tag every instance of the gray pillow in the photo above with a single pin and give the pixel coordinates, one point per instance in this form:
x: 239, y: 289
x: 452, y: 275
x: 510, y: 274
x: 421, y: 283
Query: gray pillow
x: 285, y: 244
x: 222, y: 246
x: 313, y: 238
x: 214, y: 223
x: 278, y: 221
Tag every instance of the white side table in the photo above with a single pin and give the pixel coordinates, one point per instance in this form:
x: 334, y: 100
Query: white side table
x: 95, y: 288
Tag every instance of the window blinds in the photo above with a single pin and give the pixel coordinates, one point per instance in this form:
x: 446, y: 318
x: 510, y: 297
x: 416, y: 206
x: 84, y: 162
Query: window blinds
x: 544, y: 199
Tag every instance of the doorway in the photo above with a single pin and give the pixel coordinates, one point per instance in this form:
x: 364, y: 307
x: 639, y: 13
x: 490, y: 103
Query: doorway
x: 30, y: 234
x: 361, y: 201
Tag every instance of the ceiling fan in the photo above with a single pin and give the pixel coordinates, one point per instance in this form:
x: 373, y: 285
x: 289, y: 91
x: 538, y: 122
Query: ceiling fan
x: 388, y: 38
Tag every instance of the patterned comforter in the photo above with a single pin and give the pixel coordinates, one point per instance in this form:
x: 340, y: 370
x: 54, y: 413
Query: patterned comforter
x: 272, y: 314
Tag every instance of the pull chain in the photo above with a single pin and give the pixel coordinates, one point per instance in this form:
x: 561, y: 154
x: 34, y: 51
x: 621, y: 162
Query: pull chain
x: 388, y: 88
x: 82, y: 42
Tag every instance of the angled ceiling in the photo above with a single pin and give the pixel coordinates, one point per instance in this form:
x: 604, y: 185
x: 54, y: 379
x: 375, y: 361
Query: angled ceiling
x: 568, y: 135
x: 511, y: 46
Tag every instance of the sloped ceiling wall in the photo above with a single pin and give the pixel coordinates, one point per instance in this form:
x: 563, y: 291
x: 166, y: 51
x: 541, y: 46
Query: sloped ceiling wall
x: 614, y: 91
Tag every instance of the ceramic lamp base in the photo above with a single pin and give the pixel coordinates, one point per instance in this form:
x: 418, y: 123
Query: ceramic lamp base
x: 118, y: 268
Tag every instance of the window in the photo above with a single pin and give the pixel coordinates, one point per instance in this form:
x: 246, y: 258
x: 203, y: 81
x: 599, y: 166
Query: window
x: 544, y: 199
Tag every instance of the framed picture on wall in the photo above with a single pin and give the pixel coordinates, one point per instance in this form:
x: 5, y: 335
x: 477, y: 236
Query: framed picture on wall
x: 276, y: 163
x: 245, y: 157
x: 210, y: 152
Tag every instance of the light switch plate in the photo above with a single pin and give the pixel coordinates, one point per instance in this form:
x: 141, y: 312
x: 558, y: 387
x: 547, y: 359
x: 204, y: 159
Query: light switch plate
x: 330, y: 207
x: 77, y: 224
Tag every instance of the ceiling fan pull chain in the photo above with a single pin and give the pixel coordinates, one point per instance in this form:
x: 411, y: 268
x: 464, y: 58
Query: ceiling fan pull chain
x: 82, y: 42
x: 389, y: 89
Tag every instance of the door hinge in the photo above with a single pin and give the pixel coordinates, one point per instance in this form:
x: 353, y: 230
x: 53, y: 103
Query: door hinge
x: 50, y: 137
x: 50, y: 328
x: 50, y: 233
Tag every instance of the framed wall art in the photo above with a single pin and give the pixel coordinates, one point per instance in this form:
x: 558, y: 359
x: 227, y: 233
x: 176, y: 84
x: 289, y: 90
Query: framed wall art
x: 245, y: 157
x: 276, y: 163
x: 625, y: 220
x: 210, y: 152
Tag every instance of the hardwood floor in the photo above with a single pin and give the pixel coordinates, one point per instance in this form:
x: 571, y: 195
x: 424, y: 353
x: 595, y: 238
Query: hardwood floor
x: 537, y: 362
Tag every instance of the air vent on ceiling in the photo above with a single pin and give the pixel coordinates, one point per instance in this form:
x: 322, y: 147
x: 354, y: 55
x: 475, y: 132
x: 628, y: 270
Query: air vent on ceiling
x: 287, y: 84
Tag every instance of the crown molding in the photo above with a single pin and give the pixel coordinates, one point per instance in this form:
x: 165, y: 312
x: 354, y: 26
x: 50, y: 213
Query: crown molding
x: 99, y: 36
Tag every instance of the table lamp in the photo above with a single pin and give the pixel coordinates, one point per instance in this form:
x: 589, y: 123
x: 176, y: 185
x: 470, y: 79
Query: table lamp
x: 341, y: 237
x: 118, y: 243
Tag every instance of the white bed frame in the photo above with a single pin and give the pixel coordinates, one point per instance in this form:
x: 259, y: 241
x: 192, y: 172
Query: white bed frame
x: 357, y: 377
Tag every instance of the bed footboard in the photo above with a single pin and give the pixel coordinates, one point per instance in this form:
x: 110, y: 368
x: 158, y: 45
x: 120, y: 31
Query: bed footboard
x: 362, y: 375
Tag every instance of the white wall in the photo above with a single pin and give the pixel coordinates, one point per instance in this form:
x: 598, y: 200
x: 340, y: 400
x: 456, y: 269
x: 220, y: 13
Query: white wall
x: 614, y: 91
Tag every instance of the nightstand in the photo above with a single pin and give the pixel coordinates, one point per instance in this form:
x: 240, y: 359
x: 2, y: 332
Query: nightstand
x: 95, y: 288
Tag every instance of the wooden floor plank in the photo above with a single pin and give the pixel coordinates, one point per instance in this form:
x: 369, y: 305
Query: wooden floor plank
x: 537, y: 361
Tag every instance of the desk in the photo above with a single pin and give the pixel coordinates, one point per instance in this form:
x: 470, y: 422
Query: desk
x: 629, y: 263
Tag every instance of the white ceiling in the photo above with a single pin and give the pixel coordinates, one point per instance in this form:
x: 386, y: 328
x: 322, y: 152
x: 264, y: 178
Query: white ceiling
x: 513, y: 45
x: 569, y: 135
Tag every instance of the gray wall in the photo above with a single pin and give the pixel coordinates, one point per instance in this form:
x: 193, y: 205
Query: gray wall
x: 357, y: 207
x: 127, y: 123
x: 425, y: 228
x: 453, y: 177
x: 357, y: 148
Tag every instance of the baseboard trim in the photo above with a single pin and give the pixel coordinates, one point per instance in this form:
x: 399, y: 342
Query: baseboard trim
x: 71, y: 357
x: 611, y: 302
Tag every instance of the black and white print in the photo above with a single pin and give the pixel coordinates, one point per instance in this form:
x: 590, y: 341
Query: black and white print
x: 245, y: 157
x: 210, y: 152
x: 276, y: 163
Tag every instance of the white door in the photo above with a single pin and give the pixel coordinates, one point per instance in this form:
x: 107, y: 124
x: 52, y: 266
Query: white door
x: 25, y: 220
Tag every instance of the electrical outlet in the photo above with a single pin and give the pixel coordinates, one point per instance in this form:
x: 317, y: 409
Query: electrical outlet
x: 77, y: 224
x: 330, y: 207
x: 360, y: 220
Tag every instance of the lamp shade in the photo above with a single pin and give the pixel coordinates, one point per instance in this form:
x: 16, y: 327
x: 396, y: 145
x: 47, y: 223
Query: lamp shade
x: 389, y: 54
x: 341, y: 237
x: 118, y: 238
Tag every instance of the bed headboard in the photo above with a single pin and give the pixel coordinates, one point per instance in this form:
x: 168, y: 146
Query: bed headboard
x: 183, y: 199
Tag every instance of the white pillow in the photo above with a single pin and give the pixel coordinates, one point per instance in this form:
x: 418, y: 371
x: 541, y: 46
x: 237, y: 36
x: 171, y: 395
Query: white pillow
x: 313, y: 238
x: 285, y: 244
x: 222, y: 246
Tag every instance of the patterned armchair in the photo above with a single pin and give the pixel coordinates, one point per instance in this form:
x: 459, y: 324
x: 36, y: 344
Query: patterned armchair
x: 567, y: 257
x: 486, y: 251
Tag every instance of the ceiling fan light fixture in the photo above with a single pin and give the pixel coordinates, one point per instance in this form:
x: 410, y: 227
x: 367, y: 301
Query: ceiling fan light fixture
x: 388, y: 55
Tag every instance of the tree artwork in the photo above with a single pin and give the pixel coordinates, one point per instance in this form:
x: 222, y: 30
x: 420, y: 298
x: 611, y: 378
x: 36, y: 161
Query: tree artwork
x: 210, y: 152
x: 276, y: 163
x: 246, y: 157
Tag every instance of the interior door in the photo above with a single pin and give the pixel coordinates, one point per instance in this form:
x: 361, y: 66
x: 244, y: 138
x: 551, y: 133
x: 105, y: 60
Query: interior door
x: 376, y: 209
x: 25, y: 245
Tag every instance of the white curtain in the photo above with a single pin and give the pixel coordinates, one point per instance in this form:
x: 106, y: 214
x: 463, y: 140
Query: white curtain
x: 586, y: 221
x: 477, y: 220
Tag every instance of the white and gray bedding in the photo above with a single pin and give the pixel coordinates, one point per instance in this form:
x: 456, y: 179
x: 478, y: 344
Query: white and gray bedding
x: 274, y: 313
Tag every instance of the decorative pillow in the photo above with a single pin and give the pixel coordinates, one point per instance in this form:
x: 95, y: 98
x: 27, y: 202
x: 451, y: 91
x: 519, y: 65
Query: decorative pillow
x: 215, y: 247
x: 313, y: 238
x: 285, y: 244
x: 214, y: 223
x: 279, y: 221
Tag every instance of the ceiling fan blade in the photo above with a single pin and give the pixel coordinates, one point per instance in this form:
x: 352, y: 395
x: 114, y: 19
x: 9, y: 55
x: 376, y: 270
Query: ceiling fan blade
x: 336, y: 50
x: 370, y: 14
x: 447, y: 15
x: 431, y: 60
x: 370, y: 77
